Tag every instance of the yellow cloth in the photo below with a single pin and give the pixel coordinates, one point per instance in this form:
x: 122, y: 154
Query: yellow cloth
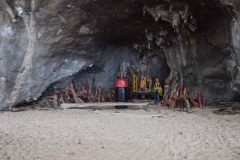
x: 160, y: 91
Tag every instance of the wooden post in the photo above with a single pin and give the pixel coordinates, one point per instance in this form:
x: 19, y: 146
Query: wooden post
x: 55, y: 99
x: 90, y: 92
x: 99, y: 94
x: 193, y: 102
x: 61, y: 97
x: 102, y: 98
x: 102, y: 105
x: 75, y: 97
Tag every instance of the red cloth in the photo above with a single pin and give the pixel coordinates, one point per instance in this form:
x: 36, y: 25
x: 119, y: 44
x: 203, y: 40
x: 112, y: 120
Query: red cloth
x: 121, y: 83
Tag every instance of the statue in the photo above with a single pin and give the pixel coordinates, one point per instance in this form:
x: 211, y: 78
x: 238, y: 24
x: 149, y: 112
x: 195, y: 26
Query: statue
x: 158, y: 88
x: 157, y: 84
x: 134, y: 82
x: 150, y: 84
x: 143, y: 83
x: 174, y: 100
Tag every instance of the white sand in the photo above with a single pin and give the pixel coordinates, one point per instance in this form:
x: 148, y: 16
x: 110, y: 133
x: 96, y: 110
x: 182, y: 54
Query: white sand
x: 138, y: 135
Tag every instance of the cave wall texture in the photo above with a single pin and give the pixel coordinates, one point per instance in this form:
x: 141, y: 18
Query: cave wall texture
x: 44, y: 42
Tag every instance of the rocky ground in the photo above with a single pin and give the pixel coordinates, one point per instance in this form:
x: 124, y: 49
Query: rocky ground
x: 119, y: 134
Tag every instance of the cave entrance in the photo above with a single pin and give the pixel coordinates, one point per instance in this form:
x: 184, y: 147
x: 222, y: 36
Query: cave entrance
x: 113, y: 61
x: 121, y: 34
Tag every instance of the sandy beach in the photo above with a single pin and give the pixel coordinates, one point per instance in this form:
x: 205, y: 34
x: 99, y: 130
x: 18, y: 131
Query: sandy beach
x: 157, y: 134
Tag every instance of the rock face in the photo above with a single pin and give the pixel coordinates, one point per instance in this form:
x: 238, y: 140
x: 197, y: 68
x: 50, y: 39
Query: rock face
x: 43, y: 42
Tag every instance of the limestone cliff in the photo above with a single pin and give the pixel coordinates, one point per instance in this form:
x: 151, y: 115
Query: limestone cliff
x: 44, y: 41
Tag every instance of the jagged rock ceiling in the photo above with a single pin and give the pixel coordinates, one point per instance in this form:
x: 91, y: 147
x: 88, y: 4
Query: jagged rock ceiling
x: 45, y: 41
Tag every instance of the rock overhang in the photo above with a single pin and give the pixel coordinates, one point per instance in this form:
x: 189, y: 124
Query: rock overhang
x: 68, y: 33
